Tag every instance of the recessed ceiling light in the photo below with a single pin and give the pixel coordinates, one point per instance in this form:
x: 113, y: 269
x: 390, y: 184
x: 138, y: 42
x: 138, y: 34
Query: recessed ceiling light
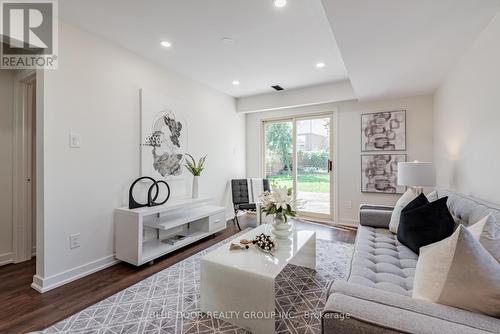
x: 279, y: 3
x: 236, y: 82
x: 320, y: 65
x: 227, y: 40
x: 166, y: 44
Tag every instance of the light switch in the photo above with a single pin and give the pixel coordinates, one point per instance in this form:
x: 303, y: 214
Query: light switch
x: 74, y: 241
x: 74, y: 140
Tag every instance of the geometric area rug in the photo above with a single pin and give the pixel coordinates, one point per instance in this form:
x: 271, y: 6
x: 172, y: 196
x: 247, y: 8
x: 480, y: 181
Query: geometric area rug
x: 168, y: 301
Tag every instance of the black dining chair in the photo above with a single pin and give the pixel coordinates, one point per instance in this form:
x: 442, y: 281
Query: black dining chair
x: 241, y: 201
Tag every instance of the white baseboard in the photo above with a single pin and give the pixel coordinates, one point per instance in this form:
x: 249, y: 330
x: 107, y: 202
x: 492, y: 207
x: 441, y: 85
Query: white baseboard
x: 349, y: 222
x: 44, y: 284
x: 6, y: 258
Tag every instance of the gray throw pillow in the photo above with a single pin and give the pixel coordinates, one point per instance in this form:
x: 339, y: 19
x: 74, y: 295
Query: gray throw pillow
x: 458, y: 271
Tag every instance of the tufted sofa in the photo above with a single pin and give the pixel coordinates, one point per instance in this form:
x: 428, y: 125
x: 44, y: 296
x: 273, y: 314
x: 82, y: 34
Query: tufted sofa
x: 376, y: 298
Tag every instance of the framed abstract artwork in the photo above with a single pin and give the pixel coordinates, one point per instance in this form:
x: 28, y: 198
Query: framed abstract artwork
x: 383, y: 131
x: 163, y: 136
x: 379, y: 173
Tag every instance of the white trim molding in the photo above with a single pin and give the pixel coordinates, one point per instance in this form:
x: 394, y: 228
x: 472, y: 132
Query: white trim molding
x: 44, y: 284
x: 348, y: 222
x: 335, y: 201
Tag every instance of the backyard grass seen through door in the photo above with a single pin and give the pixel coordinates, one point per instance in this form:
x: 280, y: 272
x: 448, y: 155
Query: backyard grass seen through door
x: 313, y: 183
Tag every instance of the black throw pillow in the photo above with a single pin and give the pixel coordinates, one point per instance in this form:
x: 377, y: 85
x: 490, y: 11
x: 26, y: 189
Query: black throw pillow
x: 416, y: 203
x: 423, y: 224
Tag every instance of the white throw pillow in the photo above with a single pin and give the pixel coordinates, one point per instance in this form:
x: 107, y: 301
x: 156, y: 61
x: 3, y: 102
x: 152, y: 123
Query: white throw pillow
x: 488, y: 233
x: 403, y: 201
x: 458, y: 271
x: 433, y: 196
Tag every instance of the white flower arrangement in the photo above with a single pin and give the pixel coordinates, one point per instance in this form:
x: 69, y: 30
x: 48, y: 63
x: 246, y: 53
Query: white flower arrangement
x: 279, y: 202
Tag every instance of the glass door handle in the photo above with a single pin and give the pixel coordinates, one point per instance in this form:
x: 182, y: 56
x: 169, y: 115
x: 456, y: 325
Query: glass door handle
x: 330, y: 165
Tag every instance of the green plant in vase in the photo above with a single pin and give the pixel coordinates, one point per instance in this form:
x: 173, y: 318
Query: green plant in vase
x: 195, y: 168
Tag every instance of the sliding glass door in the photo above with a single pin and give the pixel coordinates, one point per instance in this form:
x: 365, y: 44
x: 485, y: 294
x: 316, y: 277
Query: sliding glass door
x: 313, y: 186
x: 298, y: 154
x: 279, y: 152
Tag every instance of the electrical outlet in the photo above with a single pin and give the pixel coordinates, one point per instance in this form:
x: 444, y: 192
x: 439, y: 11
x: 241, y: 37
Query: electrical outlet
x: 74, y: 241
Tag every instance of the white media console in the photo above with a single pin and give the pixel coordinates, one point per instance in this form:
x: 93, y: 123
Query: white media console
x: 144, y: 234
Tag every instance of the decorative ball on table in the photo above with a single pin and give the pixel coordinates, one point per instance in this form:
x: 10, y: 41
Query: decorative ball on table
x: 262, y: 242
x: 265, y: 242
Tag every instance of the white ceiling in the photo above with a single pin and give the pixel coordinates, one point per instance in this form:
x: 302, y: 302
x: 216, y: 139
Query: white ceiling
x: 271, y: 46
x: 395, y: 48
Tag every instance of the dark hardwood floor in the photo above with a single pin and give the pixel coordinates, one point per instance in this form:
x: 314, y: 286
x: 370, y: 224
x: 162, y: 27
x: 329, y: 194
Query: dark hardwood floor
x: 22, y: 309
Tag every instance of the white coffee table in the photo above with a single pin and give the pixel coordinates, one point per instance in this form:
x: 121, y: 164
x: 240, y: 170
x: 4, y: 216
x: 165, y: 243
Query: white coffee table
x: 238, y: 286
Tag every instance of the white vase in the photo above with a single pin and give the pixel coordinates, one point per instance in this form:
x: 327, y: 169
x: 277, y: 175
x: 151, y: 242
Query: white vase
x: 279, y: 218
x: 281, y: 229
x: 195, y: 187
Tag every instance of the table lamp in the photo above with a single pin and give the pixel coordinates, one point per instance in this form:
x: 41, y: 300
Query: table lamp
x: 416, y: 175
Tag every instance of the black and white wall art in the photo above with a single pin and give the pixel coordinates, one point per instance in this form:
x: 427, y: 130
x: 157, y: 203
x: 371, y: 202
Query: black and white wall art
x: 379, y: 173
x: 383, y: 131
x: 163, y: 136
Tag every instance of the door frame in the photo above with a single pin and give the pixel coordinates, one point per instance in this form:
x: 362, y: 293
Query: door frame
x: 22, y: 174
x: 334, y: 197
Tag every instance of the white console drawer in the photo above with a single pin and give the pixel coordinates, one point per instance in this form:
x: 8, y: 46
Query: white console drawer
x: 217, y: 221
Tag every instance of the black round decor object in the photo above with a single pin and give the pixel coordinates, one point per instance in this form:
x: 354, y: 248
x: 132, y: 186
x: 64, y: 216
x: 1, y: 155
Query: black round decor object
x: 132, y: 203
x: 151, y: 201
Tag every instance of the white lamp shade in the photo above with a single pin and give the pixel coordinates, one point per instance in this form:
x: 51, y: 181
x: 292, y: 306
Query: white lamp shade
x: 416, y: 174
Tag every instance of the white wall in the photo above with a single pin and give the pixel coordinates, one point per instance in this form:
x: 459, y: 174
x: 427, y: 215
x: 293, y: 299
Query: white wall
x: 6, y: 142
x: 467, y: 120
x: 95, y: 93
x: 419, y: 144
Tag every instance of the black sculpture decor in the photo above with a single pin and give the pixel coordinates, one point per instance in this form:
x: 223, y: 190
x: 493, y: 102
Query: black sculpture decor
x: 151, y: 200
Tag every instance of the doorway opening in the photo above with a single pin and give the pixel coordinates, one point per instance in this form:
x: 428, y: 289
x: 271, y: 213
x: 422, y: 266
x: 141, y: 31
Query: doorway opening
x: 24, y: 167
x: 298, y: 152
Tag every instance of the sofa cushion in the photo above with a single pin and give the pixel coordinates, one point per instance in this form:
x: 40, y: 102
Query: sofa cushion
x: 425, y: 224
x: 468, y: 210
x: 381, y: 261
x: 487, y: 232
x: 383, y: 312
